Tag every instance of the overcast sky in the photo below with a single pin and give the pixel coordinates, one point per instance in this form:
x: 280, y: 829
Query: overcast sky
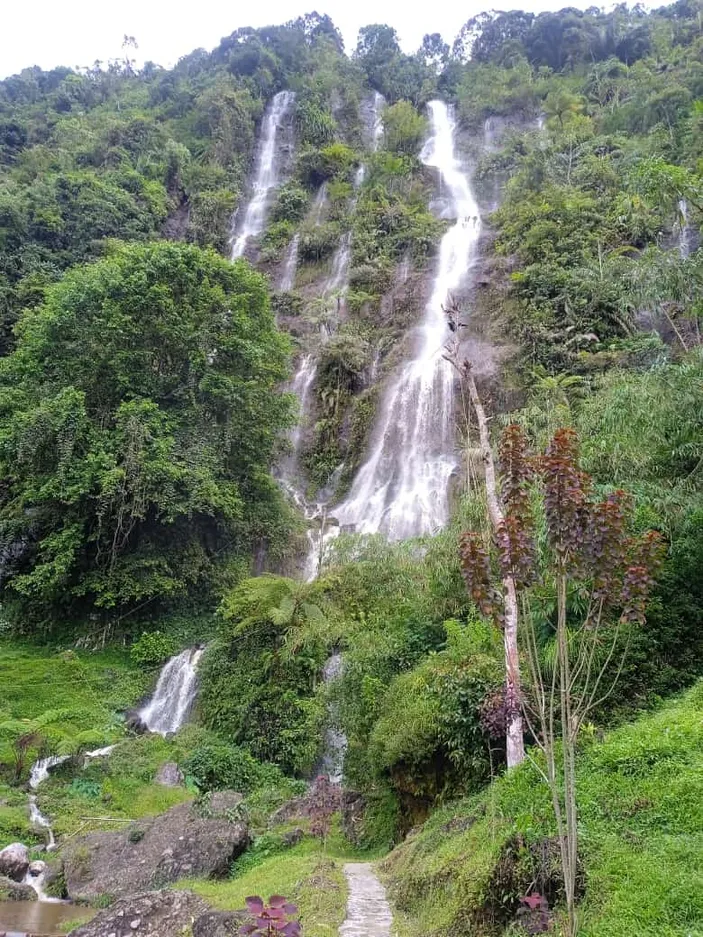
x: 77, y: 32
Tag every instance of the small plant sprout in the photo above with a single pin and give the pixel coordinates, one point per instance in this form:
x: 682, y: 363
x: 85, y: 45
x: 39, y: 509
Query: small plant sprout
x: 276, y: 917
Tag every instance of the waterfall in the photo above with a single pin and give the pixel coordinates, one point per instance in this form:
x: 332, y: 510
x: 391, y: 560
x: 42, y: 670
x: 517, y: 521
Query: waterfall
x: 290, y: 267
x: 175, y: 693
x: 402, y: 489
x: 288, y: 469
x: 684, y: 230
x: 266, y: 175
x: 377, y: 128
x: 335, y: 742
x: 42, y: 767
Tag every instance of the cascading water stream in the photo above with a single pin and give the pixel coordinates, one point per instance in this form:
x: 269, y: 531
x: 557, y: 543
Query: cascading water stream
x: 290, y: 267
x: 402, y: 489
x: 39, y: 773
x: 335, y: 742
x: 174, y: 695
x: 266, y: 176
x: 684, y: 230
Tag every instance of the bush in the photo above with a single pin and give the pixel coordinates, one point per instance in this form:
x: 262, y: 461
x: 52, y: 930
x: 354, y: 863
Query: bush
x: 317, y: 242
x: 291, y: 203
x: 403, y: 128
x: 152, y: 649
x: 218, y: 766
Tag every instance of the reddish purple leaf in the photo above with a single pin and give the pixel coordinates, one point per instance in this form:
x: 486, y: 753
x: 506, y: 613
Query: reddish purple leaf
x: 254, y: 904
x: 247, y: 929
x: 277, y: 901
x: 290, y: 908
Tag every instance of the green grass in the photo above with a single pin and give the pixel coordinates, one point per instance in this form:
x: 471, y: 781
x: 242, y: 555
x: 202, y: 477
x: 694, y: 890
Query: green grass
x: 88, y: 691
x: 311, y: 874
x: 91, y: 687
x: 306, y: 874
x: 641, y: 828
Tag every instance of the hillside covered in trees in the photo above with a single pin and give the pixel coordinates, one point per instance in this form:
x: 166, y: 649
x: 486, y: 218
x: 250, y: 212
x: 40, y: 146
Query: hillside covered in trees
x: 364, y: 391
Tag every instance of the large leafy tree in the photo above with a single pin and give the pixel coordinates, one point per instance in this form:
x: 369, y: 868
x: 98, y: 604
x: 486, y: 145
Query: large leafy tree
x: 138, y: 417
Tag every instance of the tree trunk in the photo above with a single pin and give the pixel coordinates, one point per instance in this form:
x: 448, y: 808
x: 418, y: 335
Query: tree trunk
x: 515, y: 746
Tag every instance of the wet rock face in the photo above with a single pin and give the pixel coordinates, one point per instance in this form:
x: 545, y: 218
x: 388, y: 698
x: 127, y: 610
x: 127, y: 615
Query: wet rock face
x: 156, y: 914
x: 183, y: 842
x: 14, y: 861
x: 353, y: 810
x: 15, y: 891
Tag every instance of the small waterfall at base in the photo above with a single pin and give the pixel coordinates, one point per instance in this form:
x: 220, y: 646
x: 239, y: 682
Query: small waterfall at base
x: 335, y: 742
x: 39, y: 773
x: 174, y: 695
x: 266, y: 175
x: 402, y: 489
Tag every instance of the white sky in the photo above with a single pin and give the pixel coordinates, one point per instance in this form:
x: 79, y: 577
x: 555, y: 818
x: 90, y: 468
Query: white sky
x: 77, y: 32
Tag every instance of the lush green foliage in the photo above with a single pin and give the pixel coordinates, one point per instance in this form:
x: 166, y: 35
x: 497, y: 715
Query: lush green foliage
x: 138, y: 423
x: 641, y: 821
x: 258, y: 679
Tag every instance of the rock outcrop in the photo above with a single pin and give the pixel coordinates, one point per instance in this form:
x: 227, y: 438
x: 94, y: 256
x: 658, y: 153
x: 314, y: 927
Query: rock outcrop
x: 14, y: 861
x: 220, y: 923
x: 155, y: 914
x: 15, y: 891
x: 169, y: 775
x: 187, y: 841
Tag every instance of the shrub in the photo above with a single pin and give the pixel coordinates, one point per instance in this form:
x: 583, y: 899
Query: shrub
x: 152, y: 648
x: 218, y: 766
x: 317, y: 242
x: 291, y: 203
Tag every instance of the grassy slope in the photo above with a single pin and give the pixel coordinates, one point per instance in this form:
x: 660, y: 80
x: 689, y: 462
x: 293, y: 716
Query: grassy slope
x: 641, y: 813
x: 309, y: 874
x: 90, y: 689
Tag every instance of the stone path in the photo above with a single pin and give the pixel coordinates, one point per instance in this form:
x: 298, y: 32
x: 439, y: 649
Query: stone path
x: 368, y: 912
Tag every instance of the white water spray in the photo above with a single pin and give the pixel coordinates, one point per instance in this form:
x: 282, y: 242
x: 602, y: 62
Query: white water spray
x: 335, y: 742
x: 684, y: 229
x: 290, y: 267
x: 174, y: 695
x: 266, y: 175
x: 402, y: 489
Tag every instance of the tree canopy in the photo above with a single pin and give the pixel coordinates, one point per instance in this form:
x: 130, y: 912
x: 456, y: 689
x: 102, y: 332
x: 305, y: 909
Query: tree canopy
x: 139, y: 420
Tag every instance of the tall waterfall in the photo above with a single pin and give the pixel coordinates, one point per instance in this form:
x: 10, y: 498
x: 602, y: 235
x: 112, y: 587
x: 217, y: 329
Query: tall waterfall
x: 267, y: 173
x: 402, y: 489
x: 174, y: 695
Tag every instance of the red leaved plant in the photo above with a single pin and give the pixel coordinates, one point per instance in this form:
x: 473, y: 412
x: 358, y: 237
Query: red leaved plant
x: 276, y: 917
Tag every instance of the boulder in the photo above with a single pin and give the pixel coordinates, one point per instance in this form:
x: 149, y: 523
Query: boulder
x: 187, y: 841
x: 292, y: 837
x: 220, y: 923
x: 15, y: 891
x: 155, y: 914
x: 169, y: 775
x: 14, y: 861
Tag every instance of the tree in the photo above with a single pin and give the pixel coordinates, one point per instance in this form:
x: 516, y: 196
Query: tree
x: 139, y: 417
x: 587, y: 586
x: 434, y: 51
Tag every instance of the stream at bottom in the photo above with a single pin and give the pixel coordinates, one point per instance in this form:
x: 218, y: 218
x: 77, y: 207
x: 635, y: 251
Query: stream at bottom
x: 39, y: 918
